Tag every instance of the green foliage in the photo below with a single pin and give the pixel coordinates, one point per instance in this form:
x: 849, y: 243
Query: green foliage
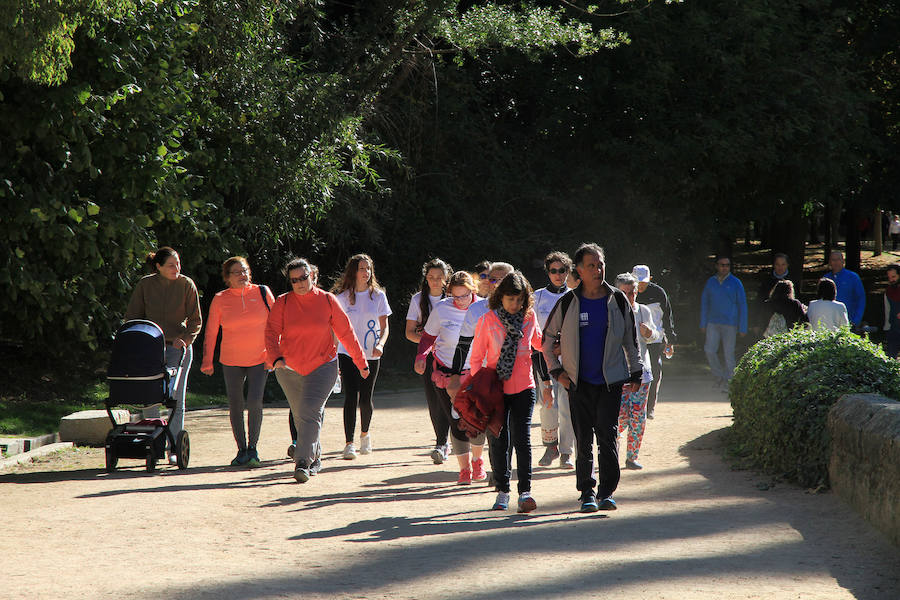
x: 783, y: 388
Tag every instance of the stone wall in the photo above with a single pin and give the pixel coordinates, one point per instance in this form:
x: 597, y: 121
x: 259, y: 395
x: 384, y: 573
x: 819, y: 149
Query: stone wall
x: 864, y: 468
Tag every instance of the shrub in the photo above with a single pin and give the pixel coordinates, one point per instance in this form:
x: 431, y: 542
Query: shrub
x: 783, y: 388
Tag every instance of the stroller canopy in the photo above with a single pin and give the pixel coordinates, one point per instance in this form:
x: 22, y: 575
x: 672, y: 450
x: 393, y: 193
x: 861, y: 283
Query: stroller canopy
x: 139, y: 350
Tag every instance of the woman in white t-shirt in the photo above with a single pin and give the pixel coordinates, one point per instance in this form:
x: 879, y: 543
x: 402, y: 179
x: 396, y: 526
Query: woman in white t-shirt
x: 363, y: 299
x: 440, y: 337
x: 557, y: 432
x: 826, y: 312
x: 435, y: 274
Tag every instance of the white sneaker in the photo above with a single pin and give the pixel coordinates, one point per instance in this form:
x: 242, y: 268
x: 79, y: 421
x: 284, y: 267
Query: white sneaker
x: 365, y: 444
x: 437, y: 455
x: 349, y: 452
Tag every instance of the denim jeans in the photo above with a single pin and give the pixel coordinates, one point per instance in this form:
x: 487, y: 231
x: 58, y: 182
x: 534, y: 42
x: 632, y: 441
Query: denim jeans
x: 515, y: 433
x: 726, y: 335
x: 173, y: 356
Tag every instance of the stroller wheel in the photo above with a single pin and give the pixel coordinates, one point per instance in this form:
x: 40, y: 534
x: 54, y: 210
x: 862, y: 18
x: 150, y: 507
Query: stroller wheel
x: 151, y: 461
x: 183, y: 449
x: 111, y: 460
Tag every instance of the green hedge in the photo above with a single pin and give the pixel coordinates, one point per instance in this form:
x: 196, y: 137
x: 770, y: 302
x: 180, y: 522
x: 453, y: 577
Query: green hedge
x: 783, y: 388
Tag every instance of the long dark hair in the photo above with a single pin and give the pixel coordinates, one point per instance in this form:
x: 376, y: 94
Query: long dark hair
x: 348, y: 278
x: 514, y: 284
x: 425, y: 291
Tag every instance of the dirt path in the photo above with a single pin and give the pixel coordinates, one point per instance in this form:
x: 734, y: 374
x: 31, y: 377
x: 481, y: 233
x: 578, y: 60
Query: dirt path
x: 392, y: 525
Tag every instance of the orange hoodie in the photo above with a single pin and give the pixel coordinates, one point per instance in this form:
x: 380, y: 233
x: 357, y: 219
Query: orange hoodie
x: 301, y: 330
x: 242, y: 315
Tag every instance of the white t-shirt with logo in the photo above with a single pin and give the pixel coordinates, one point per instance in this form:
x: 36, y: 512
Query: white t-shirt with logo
x: 415, y: 311
x: 364, y: 318
x: 544, y: 301
x: 445, y: 322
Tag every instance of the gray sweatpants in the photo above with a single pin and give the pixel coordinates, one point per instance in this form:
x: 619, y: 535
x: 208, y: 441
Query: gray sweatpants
x: 234, y: 386
x: 307, y: 395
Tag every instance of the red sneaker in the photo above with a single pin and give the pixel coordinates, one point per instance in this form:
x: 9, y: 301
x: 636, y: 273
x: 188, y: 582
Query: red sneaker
x: 478, y: 472
x: 465, y: 476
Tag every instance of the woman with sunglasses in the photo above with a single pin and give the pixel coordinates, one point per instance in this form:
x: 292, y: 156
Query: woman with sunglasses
x: 363, y: 299
x: 440, y: 337
x: 300, y: 341
x: 557, y: 433
x: 241, y: 312
x: 482, y: 275
x: 170, y: 300
x: 435, y: 274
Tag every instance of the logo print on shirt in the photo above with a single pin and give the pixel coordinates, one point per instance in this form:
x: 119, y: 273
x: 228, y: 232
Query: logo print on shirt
x: 583, y: 320
x: 371, y: 330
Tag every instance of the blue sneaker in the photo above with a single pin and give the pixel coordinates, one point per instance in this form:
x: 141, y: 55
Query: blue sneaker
x: 608, y: 504
x: 241, y: 459
x: 589, y: 504
x: 502, y: 502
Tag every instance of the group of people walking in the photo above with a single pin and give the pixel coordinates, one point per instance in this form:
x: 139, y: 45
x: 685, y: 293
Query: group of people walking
x: 578, y: 345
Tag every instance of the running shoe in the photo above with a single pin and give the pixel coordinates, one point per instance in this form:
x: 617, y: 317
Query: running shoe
x: 241, y: 458
x: 550, y: 454
x: 526, y: 503
x: 589, y: 504
x: 566, y: 462
x: 301, y: 473
x: 349, y: 452
x: 608, y: 504
x: 291, y: 449
x: 478, y: 472
x: 502, y: 501
x: 465, y: 476
x: 365, y: 444
x: 252, y: 458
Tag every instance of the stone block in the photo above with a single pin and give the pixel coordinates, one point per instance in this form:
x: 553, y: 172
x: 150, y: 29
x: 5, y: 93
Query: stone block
x: 89, y: 427
x: 864, y: 466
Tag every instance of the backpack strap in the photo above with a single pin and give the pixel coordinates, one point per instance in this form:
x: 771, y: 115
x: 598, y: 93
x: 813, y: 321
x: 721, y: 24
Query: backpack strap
x: 263, y: 291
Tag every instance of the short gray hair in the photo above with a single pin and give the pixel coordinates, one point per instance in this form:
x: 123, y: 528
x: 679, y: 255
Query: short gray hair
x: 625, y: 279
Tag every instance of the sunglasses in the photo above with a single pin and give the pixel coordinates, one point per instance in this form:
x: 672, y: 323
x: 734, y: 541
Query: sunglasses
x: 495, y: 281
x: 483, y: 275
x: 300, y: 279
x: 561, y: 271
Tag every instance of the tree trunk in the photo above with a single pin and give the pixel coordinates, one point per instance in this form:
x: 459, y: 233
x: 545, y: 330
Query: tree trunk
x: 829, y: 232
x: 795, y: 246
x: 853, y: 246
x: 878, y: 233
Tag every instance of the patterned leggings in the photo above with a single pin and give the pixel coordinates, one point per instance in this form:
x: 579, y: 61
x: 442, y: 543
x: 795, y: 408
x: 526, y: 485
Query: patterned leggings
x: 633, y: 415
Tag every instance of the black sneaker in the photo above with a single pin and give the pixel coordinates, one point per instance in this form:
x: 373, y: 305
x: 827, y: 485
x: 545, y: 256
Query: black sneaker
x: 607, y: 504
x: 252, y: 458
x: 301, y: 473
x: 241, y: 459
x: 589, y: 504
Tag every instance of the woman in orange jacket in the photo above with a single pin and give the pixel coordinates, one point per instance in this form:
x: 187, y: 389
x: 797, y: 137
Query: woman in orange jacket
x: 241, y: 312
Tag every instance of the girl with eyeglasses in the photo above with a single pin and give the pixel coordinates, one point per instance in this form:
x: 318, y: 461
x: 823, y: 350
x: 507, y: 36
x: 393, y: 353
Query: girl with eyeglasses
x: 440, y: 338
x: 170, y: 300
x: 435, y: 274
x: 240, y: 311
x: 366, y: 304
x: 300, y: 342
x: 557, y: 433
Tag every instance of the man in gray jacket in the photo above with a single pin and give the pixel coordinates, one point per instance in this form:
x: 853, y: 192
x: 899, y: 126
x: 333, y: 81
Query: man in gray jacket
x: 598, y: 358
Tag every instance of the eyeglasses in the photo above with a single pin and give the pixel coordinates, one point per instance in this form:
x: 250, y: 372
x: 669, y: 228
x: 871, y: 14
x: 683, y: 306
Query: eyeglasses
x: 463, y: 297
x: 300, y: 279
x: 483, y: 275
x: 240, y: 272
x: 561, y: 271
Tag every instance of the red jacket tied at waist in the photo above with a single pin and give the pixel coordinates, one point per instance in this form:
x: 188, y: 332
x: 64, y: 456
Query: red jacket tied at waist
x: 480, y: 404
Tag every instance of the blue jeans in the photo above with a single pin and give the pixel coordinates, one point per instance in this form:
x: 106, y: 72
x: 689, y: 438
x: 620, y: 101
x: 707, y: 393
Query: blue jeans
x: 726, y: 335
x: 176, y: 419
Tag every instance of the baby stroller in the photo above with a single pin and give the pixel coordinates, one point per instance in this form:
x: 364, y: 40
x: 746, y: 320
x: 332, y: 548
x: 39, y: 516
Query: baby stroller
x: 138, y: 375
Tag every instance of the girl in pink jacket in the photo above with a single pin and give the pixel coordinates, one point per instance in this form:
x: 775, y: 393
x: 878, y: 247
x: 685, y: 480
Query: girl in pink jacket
x: 503, y: 341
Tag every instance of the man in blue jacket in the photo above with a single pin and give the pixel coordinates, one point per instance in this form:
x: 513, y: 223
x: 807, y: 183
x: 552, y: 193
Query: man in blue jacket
x: 850, y: 289
x: 723, y: 314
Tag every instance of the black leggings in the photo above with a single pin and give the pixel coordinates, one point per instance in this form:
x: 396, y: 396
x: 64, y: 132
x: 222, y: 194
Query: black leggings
x: 357, y: 392
x: 440, y: 417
